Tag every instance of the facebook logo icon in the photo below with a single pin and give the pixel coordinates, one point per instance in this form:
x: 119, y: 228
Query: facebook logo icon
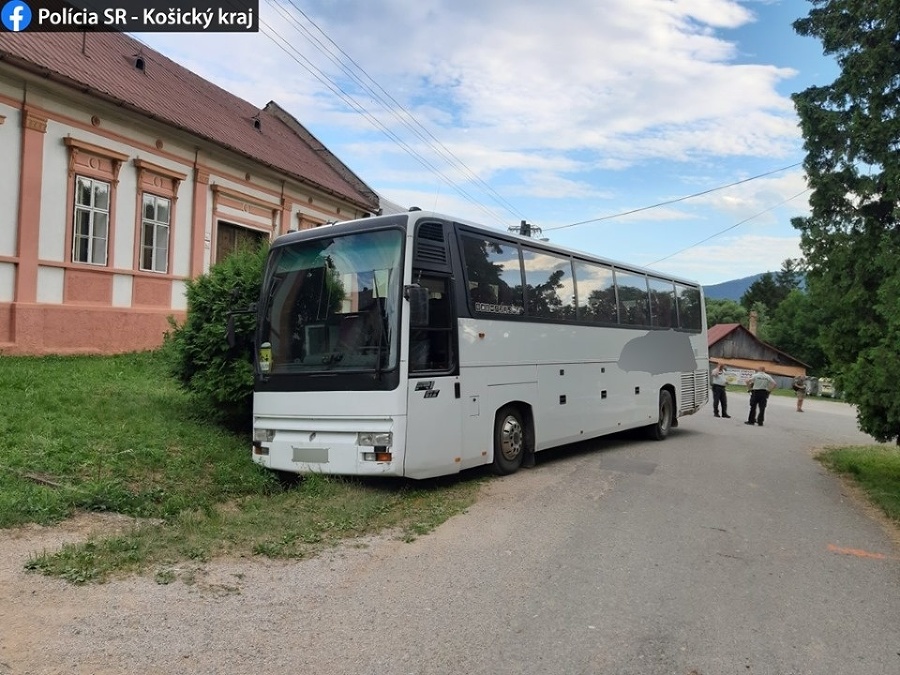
x: 16, y: 16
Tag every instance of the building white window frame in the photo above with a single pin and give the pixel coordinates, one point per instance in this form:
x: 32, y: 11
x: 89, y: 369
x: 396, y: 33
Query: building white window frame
x: 96, y: 164
x: 158, y: 229
x: 157, y: 185
x: 90, y: 213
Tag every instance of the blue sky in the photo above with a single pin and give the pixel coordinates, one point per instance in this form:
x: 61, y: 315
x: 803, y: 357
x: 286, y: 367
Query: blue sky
x: 555, y: 113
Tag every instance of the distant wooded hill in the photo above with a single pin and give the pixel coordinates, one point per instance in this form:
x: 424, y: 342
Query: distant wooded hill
x: 731, y: 290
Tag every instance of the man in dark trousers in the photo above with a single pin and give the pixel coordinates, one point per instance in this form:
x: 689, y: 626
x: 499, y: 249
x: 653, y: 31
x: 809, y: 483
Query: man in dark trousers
x: 720, y: 398
x: 759, y: 385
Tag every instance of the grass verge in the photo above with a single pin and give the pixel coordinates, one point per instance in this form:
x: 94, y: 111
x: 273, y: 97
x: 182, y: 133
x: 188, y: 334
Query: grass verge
x: 116, y: 434
x: 876, y: 469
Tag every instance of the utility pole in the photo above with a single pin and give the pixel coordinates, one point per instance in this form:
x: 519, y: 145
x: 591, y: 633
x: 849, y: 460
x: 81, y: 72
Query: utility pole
x: 526, y: 229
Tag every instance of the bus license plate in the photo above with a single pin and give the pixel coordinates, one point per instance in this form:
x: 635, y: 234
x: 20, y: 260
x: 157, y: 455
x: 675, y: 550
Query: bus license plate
x: 310, y: 455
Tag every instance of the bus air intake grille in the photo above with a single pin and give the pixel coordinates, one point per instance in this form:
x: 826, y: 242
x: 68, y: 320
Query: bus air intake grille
x: 431, y: 247
x: 694, y: 390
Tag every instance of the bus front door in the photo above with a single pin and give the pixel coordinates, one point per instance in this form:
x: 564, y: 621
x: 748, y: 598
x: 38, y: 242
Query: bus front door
x: 434, y: 405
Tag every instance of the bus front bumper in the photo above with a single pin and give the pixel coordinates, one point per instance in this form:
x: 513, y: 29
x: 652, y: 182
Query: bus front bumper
x: 339, y: 445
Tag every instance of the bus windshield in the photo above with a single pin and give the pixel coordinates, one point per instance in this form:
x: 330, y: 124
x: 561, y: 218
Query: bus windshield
x: 331, y: 304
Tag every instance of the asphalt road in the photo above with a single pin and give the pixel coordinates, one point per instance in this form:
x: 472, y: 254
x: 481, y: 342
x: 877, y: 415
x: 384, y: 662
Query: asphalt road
x: 725, y: 549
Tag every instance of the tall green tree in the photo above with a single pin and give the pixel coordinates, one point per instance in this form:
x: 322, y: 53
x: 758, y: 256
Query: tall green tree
x: 796, y: 328
x: 765, y: 290
x: 771, y: 289
x: 851, y: 240
x: 724, y: 311
x: 790, y: 276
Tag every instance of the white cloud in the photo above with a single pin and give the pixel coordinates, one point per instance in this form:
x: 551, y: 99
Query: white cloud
x: 733, y: 258
x: 786, y: 191
x: 571, y: 110
x: 523, y: 76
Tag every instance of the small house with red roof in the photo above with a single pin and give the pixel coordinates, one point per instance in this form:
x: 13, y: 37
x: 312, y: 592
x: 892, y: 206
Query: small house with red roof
x: 742, y: 352
x: 124, y: 176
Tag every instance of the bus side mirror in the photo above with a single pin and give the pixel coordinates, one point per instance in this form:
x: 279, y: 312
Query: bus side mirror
x: 418, y: 305
x: 229, y: 330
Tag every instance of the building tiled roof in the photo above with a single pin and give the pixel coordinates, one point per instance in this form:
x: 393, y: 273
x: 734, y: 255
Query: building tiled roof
x: 103, y: 64
x: 717, y: 332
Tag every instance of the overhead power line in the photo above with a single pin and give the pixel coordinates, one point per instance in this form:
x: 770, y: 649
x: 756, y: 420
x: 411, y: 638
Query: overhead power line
x: 285, y: 45
x: 407, y: 119
x: 423, y: 134
x: 727, y: 229
x: 674, y: 201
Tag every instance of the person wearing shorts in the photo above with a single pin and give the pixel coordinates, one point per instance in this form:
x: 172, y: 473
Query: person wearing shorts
x: 799, y: 386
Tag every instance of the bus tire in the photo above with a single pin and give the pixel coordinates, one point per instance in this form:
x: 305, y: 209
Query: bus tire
x: 509, y: 441
x: 660, y: 429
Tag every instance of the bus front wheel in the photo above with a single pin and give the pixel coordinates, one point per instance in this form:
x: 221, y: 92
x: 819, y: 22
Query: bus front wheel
x: 509, y: 441
x: 663, y: 425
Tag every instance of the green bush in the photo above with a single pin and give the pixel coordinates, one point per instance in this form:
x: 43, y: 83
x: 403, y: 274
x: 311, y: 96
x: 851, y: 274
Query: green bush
x: 219, y: 376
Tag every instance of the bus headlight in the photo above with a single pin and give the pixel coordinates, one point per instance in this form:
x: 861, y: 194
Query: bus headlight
x: 373, y: 439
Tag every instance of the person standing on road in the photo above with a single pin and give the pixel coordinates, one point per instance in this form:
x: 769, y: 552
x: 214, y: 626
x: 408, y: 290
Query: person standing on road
x: 799, y: 386
x: 720, y: 397
x: 759, y: 385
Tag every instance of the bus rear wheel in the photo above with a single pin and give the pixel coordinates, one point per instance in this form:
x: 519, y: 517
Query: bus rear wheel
x: 663, y: 425
x: 509, y: 441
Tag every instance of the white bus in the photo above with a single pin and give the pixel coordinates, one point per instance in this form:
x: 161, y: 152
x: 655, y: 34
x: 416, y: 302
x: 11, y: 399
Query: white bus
x: 420, y: 345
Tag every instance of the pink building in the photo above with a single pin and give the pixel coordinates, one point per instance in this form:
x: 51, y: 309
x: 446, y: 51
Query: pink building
x: 123, y: 176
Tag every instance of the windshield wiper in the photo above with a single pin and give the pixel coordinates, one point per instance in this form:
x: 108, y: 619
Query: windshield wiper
x: 381, y: 328
x: 380, y: 331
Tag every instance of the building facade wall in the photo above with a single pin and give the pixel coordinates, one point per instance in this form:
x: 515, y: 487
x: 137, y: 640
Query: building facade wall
x: 740, y: 345
x: 63, y: 292
x: 10, y: 137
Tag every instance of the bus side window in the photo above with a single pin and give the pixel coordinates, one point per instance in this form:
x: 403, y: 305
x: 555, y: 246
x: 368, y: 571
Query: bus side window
x: 689, y: 314
x: 439, y: 319
x: 419, y: 350
x: 662, y: 303
x: 507, y: 296
x: 483, y: 293
x: 634, y: 299
x: 430, y: 348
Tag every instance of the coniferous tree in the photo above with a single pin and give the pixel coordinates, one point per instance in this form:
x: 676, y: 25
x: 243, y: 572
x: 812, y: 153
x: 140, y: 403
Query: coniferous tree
x: 796, y: 327
x: 790, y: 276
x: 765, y: 290
x: 851, y: 240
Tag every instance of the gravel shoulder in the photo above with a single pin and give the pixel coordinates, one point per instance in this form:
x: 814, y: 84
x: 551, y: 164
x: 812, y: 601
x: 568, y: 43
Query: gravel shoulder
x: 219, y: 621
x: 234, y: 615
